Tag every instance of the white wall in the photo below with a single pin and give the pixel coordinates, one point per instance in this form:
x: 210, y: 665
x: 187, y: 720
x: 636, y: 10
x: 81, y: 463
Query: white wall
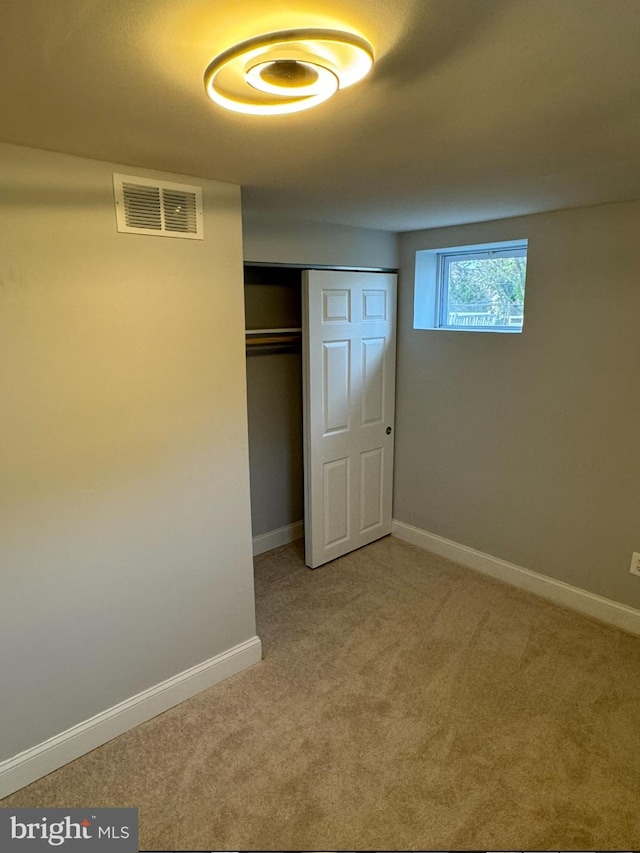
x: 276, y: 240
x: 125, y: 544
x: 526, y: 446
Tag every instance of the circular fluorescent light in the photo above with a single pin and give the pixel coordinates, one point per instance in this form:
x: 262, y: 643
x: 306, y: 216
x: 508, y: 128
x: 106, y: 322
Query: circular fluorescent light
x: 286, y: 72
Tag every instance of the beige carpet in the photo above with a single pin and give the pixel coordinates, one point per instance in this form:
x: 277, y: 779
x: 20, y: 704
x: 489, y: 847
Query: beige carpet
x: 403, y: 702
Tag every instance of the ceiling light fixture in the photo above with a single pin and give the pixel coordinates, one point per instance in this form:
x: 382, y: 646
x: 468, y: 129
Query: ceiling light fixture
x: 288, y: 71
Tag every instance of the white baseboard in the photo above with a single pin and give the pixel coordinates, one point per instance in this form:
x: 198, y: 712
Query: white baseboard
x: 45, y: 757
x: 604, y: 609
x: 276, y: 538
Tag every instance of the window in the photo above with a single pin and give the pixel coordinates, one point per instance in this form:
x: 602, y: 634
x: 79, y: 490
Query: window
x: 471, y: 288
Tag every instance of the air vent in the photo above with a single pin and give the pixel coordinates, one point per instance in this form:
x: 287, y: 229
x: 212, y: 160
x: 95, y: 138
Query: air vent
x: 162, y: 208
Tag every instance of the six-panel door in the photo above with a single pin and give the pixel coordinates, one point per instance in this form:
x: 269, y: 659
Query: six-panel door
x: 349, y: 390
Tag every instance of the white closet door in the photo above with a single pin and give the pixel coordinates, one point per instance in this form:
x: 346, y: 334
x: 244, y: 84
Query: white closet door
x: 349, y: 322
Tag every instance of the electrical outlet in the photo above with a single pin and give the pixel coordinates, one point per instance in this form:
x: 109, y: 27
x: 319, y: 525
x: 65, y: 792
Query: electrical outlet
x: 635, y: 563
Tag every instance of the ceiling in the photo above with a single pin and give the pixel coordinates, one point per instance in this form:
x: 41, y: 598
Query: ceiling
x: 475, y: 109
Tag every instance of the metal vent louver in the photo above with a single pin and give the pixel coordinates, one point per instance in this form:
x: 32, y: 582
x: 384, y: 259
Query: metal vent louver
x: 180, y: 211
x: 144, y: 206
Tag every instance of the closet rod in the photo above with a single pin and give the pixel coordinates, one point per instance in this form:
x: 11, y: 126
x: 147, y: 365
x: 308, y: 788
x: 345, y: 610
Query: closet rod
x: 273, y: 337
x: 274, y: 340
x: 271, y: 331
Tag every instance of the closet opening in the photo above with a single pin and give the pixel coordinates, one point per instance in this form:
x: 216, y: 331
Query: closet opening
x: 273, y: 313
x: 320, y: 348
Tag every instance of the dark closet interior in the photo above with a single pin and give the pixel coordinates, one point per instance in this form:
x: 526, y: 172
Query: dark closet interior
x: 273, y: 314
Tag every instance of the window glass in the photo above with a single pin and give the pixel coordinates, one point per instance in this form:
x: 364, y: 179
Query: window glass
x: 483, y: 289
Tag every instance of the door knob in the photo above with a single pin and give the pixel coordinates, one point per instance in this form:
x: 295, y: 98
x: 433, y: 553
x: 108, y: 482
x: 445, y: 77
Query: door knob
x: 388, y: 430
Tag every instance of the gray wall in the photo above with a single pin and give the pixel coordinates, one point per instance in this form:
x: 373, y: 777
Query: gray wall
x: 273, y: 240
x: 125, y: 544
x: 274, y: 386
x: 526, y: 446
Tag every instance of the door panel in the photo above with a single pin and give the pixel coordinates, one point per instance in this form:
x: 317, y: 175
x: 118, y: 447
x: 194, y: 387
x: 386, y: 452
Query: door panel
x: 337, y: 306
x: 373, y: 373
x: 371, y: 488
x: 336, y: 391
x: 349, y: 391
x: 374, y: 305
x: 336, y: 501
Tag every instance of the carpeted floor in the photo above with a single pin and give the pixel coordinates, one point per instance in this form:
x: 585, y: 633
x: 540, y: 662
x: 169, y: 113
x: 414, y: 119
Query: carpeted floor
x: 404, y: 702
